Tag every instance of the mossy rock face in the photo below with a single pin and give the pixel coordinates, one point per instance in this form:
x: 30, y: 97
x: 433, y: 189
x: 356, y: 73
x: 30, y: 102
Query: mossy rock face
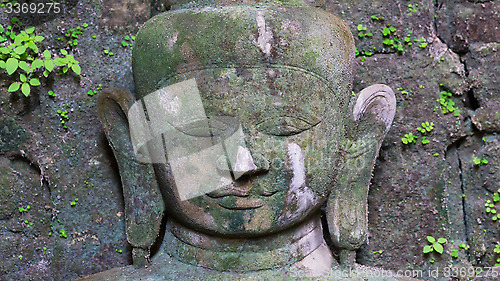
x: 12, y: 136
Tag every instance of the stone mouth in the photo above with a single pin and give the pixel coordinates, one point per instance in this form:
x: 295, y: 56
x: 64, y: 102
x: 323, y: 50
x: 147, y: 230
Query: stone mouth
x: 240, y: 203
x: 236, y: 200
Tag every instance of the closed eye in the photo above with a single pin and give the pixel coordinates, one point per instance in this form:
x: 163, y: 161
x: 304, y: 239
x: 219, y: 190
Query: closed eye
x: 215, y: 126
x: 285, y: 125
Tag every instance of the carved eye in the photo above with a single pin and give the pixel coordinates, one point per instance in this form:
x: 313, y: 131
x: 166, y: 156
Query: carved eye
x: 285, y: 126
x: 198, y: 128
x: 215, y: 126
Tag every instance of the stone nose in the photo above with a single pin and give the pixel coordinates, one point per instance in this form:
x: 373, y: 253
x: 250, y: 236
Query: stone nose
x: 244, y: 163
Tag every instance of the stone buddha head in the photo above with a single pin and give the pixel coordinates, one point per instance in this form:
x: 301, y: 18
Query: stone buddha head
x: 243, y: 126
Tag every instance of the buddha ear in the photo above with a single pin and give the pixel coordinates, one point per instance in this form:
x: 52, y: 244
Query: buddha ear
x: 347, y: 207
x: 144, y: 205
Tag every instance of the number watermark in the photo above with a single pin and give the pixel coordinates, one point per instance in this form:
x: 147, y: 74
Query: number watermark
x: 33, y: 8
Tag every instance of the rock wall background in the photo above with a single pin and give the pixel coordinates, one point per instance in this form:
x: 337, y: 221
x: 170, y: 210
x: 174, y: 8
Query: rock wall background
x: 418, y: 190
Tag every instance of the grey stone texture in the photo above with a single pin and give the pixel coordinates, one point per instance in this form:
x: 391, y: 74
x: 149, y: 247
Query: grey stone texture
x: 413, y: 193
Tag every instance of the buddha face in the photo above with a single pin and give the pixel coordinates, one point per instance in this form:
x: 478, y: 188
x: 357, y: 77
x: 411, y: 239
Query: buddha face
x: 243, y: 151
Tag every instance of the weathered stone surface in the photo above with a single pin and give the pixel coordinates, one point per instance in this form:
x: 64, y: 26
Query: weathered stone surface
x: 434, y: 203
x: 461, y: 23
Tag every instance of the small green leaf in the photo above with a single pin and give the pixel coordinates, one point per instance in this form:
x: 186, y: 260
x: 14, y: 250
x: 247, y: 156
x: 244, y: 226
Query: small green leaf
x: 441, y: 240
x: 49, y: 65
x: 25, y: 88
x: 427, y: 249
x: 431, y: 239
x: 37, y: 63
x: 46, y: 54
x: 30, y: 29
x: 23, y: 78
x: 20, y: 50
x: 438, y: 247
x: 46, y: 73
x: 14, y: 86
x: 386, y: 31
x: 32, y: 46
x: 64, y: 52
x: 11, y: 65
x: 60, y: 62
x: 2, y: 64
x: 34, y: 82
x: 24, y: 66
x: 76, y: 69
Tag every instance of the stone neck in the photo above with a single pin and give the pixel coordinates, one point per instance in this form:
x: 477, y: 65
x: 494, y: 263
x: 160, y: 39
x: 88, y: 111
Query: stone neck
x: 243, y: 254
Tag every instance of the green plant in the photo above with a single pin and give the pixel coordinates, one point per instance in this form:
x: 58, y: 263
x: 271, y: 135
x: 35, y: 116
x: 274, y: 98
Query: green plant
x: 378, y: 252
x: 386, y: 31
x: 463, y: 246
x: 377, y: 17
x: 360, y: 28
x: 409, y: 138
x: 403, y: 92
x: 447, y: 104
x: 51, y: 94
x: 64, y: 117
x: 435, y: 245
x: 93, y: 92
x: 73, y: 203
x: 118, y: 251
x: 88, y: 184
x: 72, y: 34
x: 426, y: 127
x: 490, y: 206
x: 412, y: 8
x: 42, y: 248
x: 68, y: 62
x: 478, y: 161
x: 20, y: 53
x: 454, y: 253
x: 497, y: 248
x: 425, y: 141
x: 62, y: 233
x: 21, y: 209
x: 5, y: 2
x: 128, y: 42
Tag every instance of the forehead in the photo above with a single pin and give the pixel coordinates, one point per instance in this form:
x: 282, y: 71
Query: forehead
x: 253, y: 92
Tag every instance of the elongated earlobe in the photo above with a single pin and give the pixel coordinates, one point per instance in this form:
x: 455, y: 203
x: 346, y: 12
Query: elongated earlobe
x: 347, y: 208
x: 144, y: 205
